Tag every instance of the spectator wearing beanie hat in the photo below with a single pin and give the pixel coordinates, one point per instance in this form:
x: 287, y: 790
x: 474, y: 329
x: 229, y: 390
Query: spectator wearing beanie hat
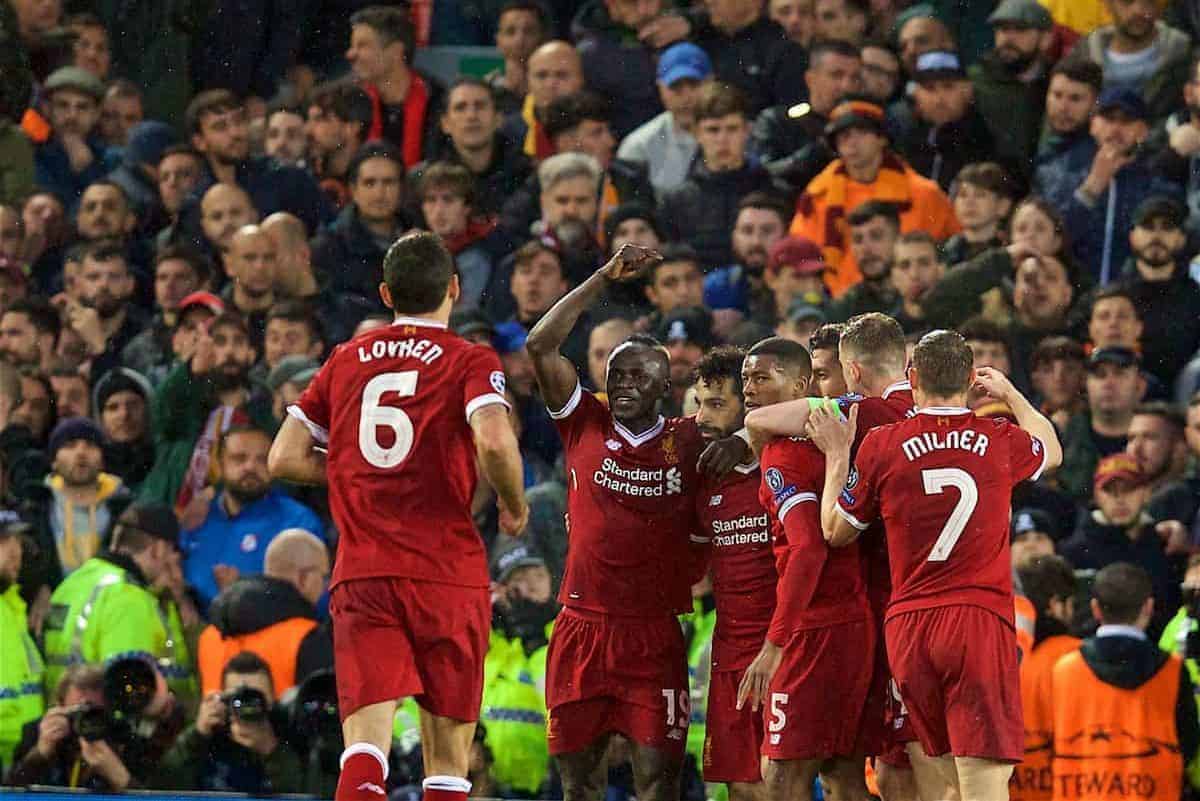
x: 136, y: 175
x: 121, y: 402
x: 83, y: 500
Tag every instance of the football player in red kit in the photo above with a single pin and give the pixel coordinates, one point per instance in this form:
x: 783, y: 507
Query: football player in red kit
x: 617, y: 661
x: 942, y: 483
x: 405, y: 412
x: 862, y: 362
x: 742, y: 566
x: 814, y: 668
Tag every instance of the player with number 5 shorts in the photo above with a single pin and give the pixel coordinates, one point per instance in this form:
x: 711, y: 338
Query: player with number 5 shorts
x: 942, y: 482
x: 406, y: 412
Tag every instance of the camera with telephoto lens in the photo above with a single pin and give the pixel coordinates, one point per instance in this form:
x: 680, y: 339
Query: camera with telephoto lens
x: 246, y: 704
x: 129, y: 686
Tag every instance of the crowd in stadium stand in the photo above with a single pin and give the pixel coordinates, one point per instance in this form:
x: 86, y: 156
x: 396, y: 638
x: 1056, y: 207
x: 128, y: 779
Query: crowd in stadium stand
x: 196, y: 199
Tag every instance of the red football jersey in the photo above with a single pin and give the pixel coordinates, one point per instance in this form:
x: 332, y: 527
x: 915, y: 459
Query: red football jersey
x: 894, y: 405
x: 942, y: 482
x: 742, y: 563
x: 630, y: 508
x: 818, y: 585
x: 392, y: 408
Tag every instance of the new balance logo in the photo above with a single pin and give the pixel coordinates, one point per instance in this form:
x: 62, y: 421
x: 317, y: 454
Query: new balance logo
x: 612, y: 445
x: 371, y: 788
x: 715, y: 500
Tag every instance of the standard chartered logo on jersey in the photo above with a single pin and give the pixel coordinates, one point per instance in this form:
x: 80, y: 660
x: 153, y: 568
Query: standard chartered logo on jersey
x: 638, y: 482
x: 744, y: 530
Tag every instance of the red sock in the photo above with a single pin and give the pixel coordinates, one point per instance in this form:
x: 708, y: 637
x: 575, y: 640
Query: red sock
x: 363, y: 774
x: 445, y: 788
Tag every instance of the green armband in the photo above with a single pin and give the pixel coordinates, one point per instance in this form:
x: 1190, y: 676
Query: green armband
x: 829, y: 404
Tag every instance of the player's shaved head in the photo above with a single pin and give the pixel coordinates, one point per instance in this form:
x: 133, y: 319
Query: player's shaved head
x: 417, y: 271
x: 943, y: 362
x: 876, y: 342
x: 637, y: 380
x: 293, y: 549
x: 789, y: 355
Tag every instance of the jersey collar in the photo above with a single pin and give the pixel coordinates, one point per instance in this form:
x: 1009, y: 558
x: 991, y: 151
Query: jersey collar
x: 899, y: 386
x: 746, y: 469
x: 637, y: 440
x: 421, y: 322
x: 942, y: 411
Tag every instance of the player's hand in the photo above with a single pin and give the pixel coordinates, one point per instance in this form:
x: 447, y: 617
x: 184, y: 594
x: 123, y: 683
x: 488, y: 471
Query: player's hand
x: 630, y: 262
x: 513, y: 521
x: 757, y: 678
x: 196, y: 511
x: 830, y: 432
x: 994, y: 383
x: 722, y: 455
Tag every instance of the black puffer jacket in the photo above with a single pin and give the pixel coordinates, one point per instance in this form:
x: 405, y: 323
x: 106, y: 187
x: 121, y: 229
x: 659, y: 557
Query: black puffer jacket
x: 702, y: 210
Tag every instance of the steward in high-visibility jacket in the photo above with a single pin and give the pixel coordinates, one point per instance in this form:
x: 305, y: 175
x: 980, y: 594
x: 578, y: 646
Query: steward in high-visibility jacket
x: 1125, y: 722
x: 21, y: 667
x: 1050, y: 584
x: 108, y: 607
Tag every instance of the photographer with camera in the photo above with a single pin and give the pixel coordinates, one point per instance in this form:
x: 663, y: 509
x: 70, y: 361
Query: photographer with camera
x: 235, y: 744
x: 107, y: 731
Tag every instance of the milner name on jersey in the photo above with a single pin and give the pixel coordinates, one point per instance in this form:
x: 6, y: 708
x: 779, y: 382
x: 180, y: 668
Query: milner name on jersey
x: 929, y: 441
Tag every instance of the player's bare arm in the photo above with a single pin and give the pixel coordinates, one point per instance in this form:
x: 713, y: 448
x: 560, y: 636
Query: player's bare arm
x: 293, y: 456
x: 555, y: 374
x: 786, y: 419
x: 500, y: 462
x: 996, y: 384
x: 834, y: 436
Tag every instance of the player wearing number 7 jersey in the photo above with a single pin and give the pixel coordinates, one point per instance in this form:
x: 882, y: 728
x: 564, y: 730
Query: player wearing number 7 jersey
x: 942, y: 483
x: 405, y: 412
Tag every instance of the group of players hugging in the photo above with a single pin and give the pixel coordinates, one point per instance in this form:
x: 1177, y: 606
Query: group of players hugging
x: 852, y: 513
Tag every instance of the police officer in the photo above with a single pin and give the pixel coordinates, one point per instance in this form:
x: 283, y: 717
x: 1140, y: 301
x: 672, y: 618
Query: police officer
x: 111, y: 605
x: 21, y: 666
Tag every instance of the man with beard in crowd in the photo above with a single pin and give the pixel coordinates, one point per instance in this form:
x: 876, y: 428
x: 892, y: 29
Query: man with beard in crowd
x: 1070, y: 99
x: 83, y: 500
x: 202, y: 397
x: 29, y: 332
x: 1010, y: 82
x: 874, y: 229
x: 103, y: 317
x: 223, y: 210
x: 122, y: 403
x: 242, y: 519
x: 737, y: 291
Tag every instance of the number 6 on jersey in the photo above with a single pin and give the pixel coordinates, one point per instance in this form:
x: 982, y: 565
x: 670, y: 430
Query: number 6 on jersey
x: 372, y: 416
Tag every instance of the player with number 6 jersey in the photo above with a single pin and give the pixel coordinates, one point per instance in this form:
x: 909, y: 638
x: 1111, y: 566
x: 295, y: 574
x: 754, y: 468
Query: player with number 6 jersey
x: 405, y: 412
x: 942, y: 483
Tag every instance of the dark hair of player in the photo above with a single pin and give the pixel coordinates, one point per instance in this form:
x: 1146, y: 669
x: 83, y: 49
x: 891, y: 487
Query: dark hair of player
x: 417, y: 270
x: 1121, y: 589
x: 721, y: 364
x: 827, y: 337
x: 1045, y: 578
x: 1169, y: 413
x: 876, y: 340
x: 792, y: 356
x: 943, y: 363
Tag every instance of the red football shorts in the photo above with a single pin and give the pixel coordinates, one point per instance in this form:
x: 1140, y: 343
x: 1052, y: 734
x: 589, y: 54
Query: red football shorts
x: 623, y: 675
x: 732, y: 739
x: 395, y: 637
x: 884, y: 729
x: 956, y: 669
x: 815, y: 703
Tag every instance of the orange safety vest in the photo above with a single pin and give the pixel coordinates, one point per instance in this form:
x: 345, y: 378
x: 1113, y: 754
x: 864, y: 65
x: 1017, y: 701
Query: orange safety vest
x: 276, y: 644
x: 1025, y: 616
x: 1111, y: 743
x: 1031, y: 780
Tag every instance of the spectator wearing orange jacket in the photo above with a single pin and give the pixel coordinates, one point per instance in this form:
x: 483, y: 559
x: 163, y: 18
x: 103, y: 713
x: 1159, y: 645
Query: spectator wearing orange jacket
x: 866, y: 169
